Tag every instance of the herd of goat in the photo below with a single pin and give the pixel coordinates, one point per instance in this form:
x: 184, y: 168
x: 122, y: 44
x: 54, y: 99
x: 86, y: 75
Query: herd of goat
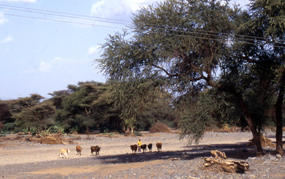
x: 144, y: 147
x: 96, y: 149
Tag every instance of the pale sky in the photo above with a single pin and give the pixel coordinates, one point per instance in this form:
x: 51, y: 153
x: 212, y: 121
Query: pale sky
x: 39, y: 53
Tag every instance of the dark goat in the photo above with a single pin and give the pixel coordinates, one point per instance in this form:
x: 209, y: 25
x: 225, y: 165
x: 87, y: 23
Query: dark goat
x: 158, y: 146
x: 149, y: 147
x: 95, y: 149
x: 134, y: 147
x: 143, y: 147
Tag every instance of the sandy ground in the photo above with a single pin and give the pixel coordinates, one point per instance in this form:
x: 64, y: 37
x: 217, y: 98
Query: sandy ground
x: 178, y: 159
x: 17, y: 152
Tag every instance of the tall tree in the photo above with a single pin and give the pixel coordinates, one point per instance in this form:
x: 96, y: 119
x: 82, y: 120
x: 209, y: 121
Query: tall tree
x: 264, y: 53
x: 181, y: 42
x: 75, y: 108
x: 187, y: 42
x: 278, y: 109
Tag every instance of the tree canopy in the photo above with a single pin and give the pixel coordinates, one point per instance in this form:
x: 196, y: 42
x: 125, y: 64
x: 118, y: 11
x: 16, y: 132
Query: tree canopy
x: 195, y: 46
x: 89, y: 107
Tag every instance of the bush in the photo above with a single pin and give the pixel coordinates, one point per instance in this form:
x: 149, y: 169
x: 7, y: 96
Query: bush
x: 30, y: 130
x: 55, y: 129
x: 8, y: 127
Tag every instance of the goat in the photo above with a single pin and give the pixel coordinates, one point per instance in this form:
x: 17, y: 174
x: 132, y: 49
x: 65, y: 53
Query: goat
x: 134, y: 148
x: 95, y: 149
x: 143, y: 147
x: 64, y: 153
x: 158, y: 146
x: 78, y: 149
x: 149, y: 146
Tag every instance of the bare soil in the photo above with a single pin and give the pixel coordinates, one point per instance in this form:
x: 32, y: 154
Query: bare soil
x: 22, y: 159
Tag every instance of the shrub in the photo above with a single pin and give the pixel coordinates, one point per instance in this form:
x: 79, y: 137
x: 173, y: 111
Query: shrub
x: 55, y: 129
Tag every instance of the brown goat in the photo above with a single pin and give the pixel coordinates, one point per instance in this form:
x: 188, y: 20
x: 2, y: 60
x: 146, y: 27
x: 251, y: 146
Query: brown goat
x: 78, y: 149
x: 149, y: 147
x: 159, y: 146
x: 143, y: 147
x: 134, y: 148
x: 95, y: 149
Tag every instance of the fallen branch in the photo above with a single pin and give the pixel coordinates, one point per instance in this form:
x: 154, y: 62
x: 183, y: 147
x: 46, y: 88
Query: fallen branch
x: 219, y: 162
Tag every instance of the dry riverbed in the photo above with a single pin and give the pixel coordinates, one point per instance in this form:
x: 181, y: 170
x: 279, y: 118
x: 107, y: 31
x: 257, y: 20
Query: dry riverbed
x: 21, y: 159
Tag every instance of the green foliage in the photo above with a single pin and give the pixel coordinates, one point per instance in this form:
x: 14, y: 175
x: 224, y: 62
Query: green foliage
x: 170, y: 44
x: 5, y: 115
x: 208, y: 110
x: 30, y: 130
x: 178, y: 48
x: 251, y: 68
x: 141, y: 103
x: 37, y: 117
x: 87, y: 107
x: 55, y: 129
x: 8, y: 127
x: 185, y: 43
x: 75, y: 109
x: 271, y: 15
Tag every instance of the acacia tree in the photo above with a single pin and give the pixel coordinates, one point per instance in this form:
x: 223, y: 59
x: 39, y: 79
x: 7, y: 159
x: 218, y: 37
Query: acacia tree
x: 78, y: 107
x: 30, y: 113
x: 272, y: 17
x: 185, y: 43
x: 179, y: 42
x: 263, y: 54
x: 208, y: 109
x: 35, y: 118
x: 132, y: 97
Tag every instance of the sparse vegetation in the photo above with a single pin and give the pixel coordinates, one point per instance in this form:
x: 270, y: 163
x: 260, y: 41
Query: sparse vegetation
x: 196, y: 65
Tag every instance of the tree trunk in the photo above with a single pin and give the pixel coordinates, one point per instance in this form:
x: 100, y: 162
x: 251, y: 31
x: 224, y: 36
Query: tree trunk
x: 126, y: 129
x: 278, y: 111
x: 256, y: 135
x: 253, y: 128
x: 129, y: 130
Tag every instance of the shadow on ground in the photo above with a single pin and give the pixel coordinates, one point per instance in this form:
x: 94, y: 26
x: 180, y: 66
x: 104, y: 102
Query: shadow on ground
x: 238, y: 151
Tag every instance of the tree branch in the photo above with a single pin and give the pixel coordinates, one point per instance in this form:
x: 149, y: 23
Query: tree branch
x: 164, y: 70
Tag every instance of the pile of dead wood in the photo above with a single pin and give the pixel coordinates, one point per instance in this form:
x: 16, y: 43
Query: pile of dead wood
x: 219, y: 162
x: 49, y: 139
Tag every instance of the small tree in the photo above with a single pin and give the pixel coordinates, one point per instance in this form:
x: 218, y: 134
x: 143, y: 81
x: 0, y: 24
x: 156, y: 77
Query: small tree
x: 132, y: 97
x: 36, y: 118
